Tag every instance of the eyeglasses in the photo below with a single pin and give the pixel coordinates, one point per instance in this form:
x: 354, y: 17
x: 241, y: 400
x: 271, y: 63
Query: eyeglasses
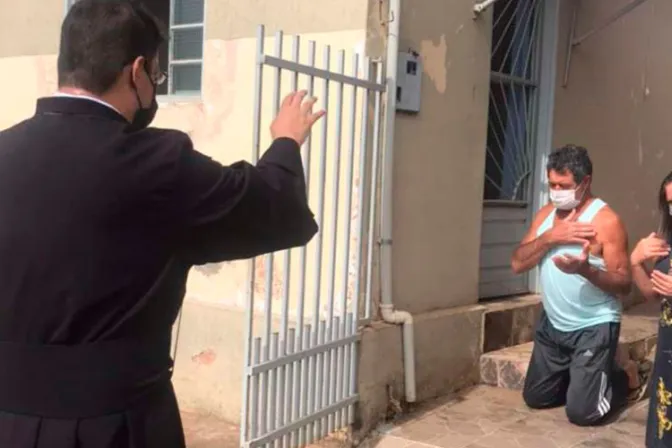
x: 159, y: 78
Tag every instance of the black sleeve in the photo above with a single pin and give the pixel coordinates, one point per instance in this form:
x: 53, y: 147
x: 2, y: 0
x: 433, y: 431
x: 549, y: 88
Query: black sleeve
x: 225, y: 213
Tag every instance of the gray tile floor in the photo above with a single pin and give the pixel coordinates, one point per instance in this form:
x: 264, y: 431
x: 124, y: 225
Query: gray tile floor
x: 481, y: 417
x: 486, y: 417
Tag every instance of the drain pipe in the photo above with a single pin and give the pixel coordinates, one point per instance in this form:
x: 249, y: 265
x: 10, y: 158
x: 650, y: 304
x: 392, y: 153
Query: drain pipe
x: 388, y: 313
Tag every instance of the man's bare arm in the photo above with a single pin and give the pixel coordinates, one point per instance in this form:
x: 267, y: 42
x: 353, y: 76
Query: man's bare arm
x: 532, y: 248
x: 617, y: 278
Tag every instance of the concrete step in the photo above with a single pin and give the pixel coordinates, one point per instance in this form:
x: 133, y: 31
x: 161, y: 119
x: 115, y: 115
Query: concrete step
x: 508, y: 322
x: 507, y: 367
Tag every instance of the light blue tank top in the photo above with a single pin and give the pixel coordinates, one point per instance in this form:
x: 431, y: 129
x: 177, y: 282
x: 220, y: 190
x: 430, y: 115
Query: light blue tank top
x: 570, y: 301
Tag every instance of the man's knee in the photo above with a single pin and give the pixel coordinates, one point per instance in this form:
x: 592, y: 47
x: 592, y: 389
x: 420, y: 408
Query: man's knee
x: 536, y: 400
x: 581, y: 415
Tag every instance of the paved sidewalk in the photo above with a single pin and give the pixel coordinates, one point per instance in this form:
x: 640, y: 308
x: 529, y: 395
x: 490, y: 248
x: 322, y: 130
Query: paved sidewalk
x: 208, y: 432
x: 481, y: 417
x: 486, y: 417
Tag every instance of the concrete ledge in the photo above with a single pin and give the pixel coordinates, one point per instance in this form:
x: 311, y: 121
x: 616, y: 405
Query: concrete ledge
x: 208, y: 373
x: 448, y: 348
x: 510, y: 322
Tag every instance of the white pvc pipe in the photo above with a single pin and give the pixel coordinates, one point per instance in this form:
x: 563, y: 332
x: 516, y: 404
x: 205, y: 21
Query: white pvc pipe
x: 388, y: 313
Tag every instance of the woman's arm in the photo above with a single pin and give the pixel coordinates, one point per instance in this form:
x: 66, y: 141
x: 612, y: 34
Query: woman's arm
x: 641, y: 275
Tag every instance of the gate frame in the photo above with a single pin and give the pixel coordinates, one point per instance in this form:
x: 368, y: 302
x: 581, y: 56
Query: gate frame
x: 545, y: 111
x: 299, y: 353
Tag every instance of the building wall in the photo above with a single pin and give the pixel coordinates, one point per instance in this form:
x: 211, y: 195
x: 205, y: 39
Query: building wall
x: 617, y: 103
x: 438, y: 181
x: 209, y: 361
x: 439, y: 160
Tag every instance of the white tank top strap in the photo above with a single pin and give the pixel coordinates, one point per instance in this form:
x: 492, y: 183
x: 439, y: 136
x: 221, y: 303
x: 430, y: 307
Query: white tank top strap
x: 593, y: 208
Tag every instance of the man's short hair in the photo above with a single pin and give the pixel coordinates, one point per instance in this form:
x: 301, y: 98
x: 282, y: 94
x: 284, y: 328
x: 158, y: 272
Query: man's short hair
x: 100, y: 37
x: 571, y: 158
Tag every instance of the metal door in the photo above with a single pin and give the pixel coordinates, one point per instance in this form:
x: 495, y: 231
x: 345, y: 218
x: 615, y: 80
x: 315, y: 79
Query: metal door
x: 511, y: 141
x: 301, y: 337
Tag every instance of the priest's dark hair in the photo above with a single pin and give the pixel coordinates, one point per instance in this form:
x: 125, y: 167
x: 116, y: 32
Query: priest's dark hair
x: 100, y: 37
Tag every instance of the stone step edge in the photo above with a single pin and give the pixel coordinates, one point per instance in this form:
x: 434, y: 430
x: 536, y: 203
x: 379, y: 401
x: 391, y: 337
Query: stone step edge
x: 506, y: 368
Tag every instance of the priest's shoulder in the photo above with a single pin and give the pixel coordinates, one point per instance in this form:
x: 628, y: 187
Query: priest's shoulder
x: 157, y: 139
x: 153, y: 153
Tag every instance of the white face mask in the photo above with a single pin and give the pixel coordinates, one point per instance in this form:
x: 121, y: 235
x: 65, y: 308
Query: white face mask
x: 564, y: 199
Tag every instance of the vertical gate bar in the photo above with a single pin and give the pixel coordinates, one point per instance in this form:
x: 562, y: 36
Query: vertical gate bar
x: 349, y: 363
x: 263, y: 390
x: 318, y: 378
x: 287, y: 412
x: 354, y: 325
x: 324, y: 378
x: 302, y: 281
x: 317, y: 284
x: 317, y: 279
x: 287, y: 277
x: 254, y: 400
x: 287, y: 254
x: 271, y: 413
x: 249, y: 293
x: 373, y: 190
x: 305, y: 345
x: 331, y: 293
x: 331, y: 381
x: 347, y: 224
x: 268, y: 308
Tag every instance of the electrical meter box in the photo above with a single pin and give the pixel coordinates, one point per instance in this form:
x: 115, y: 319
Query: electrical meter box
x: 409, y: 75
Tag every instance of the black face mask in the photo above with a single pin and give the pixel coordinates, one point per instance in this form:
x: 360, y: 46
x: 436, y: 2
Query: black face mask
x: 144, y: 116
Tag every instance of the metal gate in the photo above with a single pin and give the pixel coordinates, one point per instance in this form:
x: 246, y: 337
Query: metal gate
x: 302, y: 335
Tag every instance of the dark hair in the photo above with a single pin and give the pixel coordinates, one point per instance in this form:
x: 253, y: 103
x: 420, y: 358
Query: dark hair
x: 571, y: 158
x: 100, y: 37
x: 665, y: 226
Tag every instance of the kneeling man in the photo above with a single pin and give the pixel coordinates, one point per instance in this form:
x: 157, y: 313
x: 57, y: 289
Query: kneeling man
x: 581, y: 247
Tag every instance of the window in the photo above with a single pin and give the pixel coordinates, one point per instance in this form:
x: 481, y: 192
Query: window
x: 182, y: 56
x: 514, y: 81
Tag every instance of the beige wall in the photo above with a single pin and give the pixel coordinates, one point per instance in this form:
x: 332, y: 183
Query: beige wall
x: 617, y: 104
x: 438, y: 181
x: 220, y: 123
x: 233, y: 19
x: 209, y: 359
x: 440, y: 156
x: 438, y: 189
x: 30, y: 27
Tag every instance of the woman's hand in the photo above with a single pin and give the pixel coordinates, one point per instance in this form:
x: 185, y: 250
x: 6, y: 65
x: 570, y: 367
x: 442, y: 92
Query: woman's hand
x: 662, y: 283
x: 649, y: 248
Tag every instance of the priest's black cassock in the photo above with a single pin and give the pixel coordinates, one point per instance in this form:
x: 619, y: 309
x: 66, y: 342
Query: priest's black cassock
x: 99, y: 227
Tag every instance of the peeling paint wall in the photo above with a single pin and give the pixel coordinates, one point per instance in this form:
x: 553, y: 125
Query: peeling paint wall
x: 439, y: 162
x: 617, y: 104
x: 439, y: 154
x: 209, y: 355
x: 438, y: 178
